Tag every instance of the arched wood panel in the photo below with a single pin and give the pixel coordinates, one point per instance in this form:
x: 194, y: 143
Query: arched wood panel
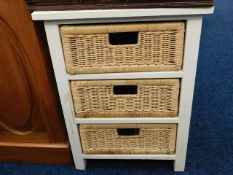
x: 19, y: 109
x: 30, y: 115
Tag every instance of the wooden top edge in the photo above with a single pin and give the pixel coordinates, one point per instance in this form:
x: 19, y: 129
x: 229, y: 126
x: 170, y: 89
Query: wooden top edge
x: 52, y: 5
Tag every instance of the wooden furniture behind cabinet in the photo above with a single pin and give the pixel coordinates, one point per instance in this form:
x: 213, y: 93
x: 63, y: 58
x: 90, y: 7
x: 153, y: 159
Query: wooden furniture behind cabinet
x: 31, y: 124
x: 123, y: 98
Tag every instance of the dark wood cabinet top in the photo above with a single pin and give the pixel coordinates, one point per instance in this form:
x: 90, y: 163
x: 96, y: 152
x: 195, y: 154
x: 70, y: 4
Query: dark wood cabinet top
x: 114, y: 4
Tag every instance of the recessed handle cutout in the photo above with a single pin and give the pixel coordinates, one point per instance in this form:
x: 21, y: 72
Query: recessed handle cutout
x: 125, y: 89
x: 123, y: 38
x: 128, y: 132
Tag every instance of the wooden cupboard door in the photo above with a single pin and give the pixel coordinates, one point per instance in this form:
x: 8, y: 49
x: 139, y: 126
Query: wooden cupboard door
x: 31, y: 123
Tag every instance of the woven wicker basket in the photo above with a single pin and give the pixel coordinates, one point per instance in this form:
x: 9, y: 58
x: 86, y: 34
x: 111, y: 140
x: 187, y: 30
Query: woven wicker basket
x: 126, y: 98
x: 128, y: 139
x: 90, y: 48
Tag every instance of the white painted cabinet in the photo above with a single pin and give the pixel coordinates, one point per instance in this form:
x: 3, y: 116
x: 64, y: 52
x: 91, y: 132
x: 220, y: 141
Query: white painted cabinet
x: 193, y: 20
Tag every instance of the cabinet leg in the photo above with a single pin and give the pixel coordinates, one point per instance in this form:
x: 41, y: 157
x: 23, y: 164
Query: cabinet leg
x: 179, y: 165
x: 192, y: 41
x: 80, y: 164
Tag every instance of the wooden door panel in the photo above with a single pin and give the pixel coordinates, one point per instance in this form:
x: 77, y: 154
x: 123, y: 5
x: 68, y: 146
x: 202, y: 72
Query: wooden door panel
x: 30, y: 114
x: 27, y: 72
x: 18, y: 109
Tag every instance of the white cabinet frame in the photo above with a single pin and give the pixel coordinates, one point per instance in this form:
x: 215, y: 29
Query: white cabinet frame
x: 193, y: 19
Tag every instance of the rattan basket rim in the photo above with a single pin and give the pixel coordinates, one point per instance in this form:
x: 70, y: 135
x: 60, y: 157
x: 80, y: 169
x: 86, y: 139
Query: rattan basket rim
x: 115, y: 126
x: 128, y: 27
x: 84, y: 83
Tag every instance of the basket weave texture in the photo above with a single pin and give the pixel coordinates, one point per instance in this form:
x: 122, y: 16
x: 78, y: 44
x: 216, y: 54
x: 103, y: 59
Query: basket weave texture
x: 87, y: 48
x: 154, y: 98
x: 152, y: 139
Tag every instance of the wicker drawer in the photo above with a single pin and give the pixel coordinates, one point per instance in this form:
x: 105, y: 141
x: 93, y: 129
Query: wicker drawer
x: 126, y: 98
x: 123, y: 47
x: 128, y: 138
